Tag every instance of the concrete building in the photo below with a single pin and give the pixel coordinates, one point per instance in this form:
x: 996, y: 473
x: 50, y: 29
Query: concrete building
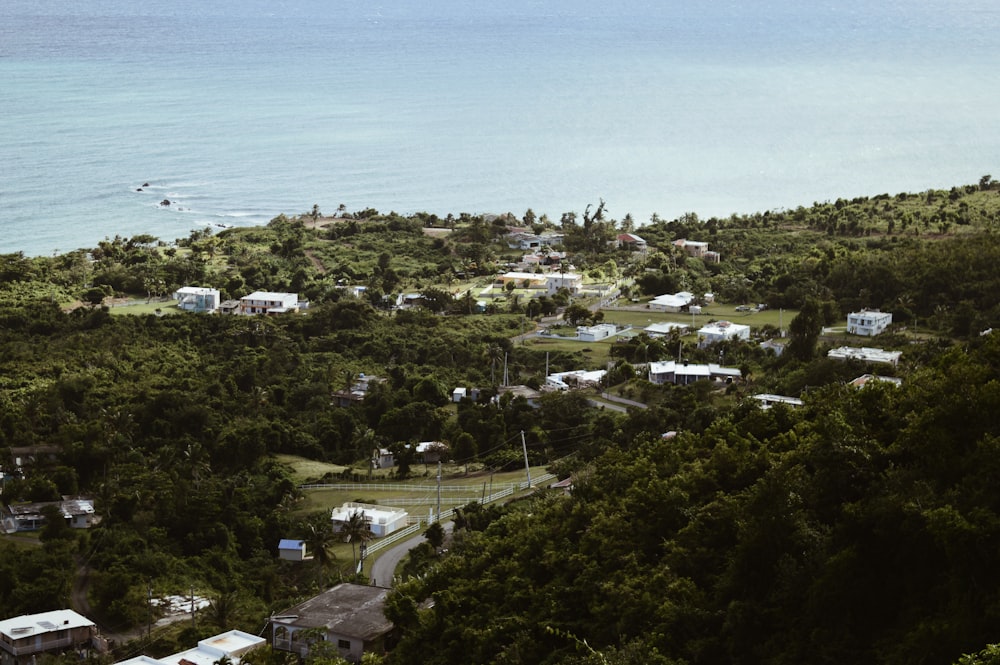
x: 197, y: 299
x: 868, y: 322
x: 78, y: 512
x: 721, y: 331
x: 671, y: 302
x: 382, y: 520
x: 233, y: 645
x: 865, y: 354
x: 350, y: 616
x: 664, y: 329
x: 767, y: 400
x: 575, y: 378
x: 682, y: 374
x: 269, y: 302
x: 596, y: 333
x: 559, y: 280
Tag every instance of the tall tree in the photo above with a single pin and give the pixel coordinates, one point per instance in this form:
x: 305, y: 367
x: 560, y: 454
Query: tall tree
x: 356, y: 530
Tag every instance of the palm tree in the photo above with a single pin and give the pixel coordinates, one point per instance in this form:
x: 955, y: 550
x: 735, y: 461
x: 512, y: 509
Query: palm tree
x: 319, y: 540
x: 494, y: 354
x: 223, y: 607
x: 356, y: 530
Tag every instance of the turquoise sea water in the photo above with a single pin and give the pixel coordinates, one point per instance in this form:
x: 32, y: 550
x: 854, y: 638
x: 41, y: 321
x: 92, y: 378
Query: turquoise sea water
x: 239, y: 111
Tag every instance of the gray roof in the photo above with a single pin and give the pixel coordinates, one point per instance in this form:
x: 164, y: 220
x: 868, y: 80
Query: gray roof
x: 352, y: 610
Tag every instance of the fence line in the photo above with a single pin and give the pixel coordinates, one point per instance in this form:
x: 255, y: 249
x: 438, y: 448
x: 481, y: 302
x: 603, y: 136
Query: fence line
x: 399, y: 487
x: 447, y: 515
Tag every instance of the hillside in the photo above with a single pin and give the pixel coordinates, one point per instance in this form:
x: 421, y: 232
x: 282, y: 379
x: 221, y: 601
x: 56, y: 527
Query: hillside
x: 861, y: 527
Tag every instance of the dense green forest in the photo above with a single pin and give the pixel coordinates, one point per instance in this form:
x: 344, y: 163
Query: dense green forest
x: 862, y: 527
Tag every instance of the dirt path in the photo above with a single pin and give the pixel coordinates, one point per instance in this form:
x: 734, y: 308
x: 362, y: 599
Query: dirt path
x: 317, y: 264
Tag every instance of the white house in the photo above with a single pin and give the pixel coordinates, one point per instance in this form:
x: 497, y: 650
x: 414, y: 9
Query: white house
x: 22, y: 637
x: 663, y: 329
x: 868, y: 322
x: 865, y: 354
x: 577, y: 377
x: 430, y: 452
x: 596, y: 333
x: 292, y: 550
x: 382, y: 520
x: 231, y: 645
x: 197, y: 299
x: 458, y: 394
x: 78, y: 512
x: 269, y: 302
x: 682, y: 374
x: 563, y: 280
x: 721, y: 331
x: 671, y: 303
x: 767, y: 400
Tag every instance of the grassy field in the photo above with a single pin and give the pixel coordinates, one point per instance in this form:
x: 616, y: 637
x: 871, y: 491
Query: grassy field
x: 307, y: 470
x: 140, y: 306
x: 414, y: 490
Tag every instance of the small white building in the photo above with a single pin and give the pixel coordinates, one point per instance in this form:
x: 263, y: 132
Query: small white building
x: 868, y: 322
x: 721, y: 331
x: 430, y: 452
x: 767, y: 400
x: 292, y: 550
x: 865, y: 354
x: 197, y: 299
x: 596, y: 333
x: 671, y: 302
x: 269, y: 302
x: 458, y: 394
x: 382, y: 520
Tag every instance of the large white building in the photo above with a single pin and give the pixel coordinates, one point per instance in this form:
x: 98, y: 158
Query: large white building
x: 681, y: 374
x: 229, y: 646
x: 596, y: 333
x: 268, y: 302
x: 382, y: 520
x: 865, y: 354
x: 671, y: 302
x: 868, y: 322
x: 720, y: 331
x: 197, y: 299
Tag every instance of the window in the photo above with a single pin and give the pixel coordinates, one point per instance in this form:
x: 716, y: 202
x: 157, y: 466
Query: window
x: 343, y: 644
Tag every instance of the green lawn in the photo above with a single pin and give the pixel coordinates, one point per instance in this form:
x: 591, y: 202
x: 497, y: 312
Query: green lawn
x: 140, y: 306
x: 479, y: 483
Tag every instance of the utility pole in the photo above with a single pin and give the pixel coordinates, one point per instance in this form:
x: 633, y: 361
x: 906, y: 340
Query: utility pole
x: 527, y: 469
x: 149, y: 610
x: 438, y: 519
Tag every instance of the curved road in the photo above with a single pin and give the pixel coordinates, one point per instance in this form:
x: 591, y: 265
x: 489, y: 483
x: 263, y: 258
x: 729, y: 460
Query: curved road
x: 384, y: 569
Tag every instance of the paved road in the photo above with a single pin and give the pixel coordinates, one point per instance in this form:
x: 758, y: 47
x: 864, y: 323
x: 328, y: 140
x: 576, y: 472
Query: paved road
x: 385, y: 565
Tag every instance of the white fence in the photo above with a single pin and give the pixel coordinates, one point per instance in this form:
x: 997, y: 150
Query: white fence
x: 421, y: 522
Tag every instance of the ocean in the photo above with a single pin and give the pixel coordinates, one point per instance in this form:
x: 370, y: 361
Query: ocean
x: 236, y: 112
